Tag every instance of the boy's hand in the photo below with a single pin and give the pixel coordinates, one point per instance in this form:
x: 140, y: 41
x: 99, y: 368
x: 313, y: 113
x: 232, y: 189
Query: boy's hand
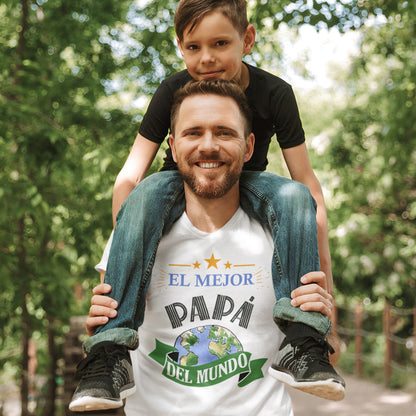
x: 102, y: 308
x: 313, y: 295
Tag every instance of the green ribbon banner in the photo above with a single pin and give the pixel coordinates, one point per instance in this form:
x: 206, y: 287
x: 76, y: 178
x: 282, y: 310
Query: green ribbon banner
x: 211, y: 373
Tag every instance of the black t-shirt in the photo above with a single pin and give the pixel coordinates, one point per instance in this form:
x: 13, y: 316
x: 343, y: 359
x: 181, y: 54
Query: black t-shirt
x: 271, y: 100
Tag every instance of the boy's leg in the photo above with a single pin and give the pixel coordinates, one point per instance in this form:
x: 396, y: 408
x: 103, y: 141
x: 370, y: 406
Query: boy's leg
x: 149, y: 212
x: 289, y: 210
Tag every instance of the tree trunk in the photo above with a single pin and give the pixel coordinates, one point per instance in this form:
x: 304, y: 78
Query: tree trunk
x: 51, y: 387
x: 24, y: 379
x: 21, y: 270
x: 22, y: 39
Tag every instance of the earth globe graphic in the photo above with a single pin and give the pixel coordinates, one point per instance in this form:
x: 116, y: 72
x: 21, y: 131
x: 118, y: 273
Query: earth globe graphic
x: 205, y: 344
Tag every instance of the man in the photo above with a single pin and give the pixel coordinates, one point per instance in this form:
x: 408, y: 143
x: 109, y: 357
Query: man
x: 208, y: 336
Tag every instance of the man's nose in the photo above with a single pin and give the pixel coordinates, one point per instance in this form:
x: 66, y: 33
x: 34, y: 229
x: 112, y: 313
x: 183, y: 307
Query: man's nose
x: 208, y: 143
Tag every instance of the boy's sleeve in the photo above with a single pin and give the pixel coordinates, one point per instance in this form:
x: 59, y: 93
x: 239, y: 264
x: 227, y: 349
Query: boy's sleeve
x: 102, y: 265
x: 288, y: 126
x: 156, y: 122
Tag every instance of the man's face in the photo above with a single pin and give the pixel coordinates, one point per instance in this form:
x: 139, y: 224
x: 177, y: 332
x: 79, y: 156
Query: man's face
x: 209, y: 145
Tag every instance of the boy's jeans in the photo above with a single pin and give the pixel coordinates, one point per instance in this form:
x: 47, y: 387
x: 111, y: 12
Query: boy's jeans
x: 285, y: 206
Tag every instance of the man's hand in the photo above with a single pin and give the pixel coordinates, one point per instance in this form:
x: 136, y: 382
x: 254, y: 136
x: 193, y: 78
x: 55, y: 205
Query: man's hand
x: 313, y: 296
x: 102, y: 308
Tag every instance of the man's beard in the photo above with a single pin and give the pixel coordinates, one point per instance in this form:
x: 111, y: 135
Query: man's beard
x: 210, y: 189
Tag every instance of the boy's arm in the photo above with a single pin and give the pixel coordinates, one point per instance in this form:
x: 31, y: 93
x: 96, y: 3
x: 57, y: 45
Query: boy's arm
x: 134, y: 170
x: 300, y: 169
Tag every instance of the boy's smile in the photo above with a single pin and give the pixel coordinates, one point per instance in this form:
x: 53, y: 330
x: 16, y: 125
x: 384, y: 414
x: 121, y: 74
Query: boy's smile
x: 214, y: 49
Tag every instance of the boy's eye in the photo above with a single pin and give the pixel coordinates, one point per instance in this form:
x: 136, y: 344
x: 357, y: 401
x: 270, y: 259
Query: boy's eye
x: 192, y: 47
x: 221, y: 43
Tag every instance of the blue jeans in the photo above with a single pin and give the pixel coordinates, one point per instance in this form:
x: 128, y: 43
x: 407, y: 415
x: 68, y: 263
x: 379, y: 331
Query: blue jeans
x: 285, y: 206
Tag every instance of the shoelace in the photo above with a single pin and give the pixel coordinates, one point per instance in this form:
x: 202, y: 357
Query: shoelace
x: 317, y: 349
x: 102, y: 362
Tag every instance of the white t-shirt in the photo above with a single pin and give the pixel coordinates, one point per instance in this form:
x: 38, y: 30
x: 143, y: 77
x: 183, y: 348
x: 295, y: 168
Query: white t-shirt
x: 102, y: 265
x: 208, y: 336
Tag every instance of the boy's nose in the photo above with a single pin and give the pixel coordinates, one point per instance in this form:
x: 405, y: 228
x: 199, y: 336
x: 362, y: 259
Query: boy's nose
x: 207, y: 56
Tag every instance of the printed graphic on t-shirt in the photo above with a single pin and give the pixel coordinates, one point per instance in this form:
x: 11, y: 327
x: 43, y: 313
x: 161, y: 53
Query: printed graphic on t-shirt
x: 206, y: 273
x: 207, y: 352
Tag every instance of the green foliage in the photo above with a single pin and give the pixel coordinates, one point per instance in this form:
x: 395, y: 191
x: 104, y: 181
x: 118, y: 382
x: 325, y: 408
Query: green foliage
x: 372, y: 150
x: 53, y: 178
x: 72, y: 77
x: 345, y: 14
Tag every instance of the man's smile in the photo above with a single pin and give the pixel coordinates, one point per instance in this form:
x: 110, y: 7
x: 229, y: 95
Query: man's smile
x: 209, y: 165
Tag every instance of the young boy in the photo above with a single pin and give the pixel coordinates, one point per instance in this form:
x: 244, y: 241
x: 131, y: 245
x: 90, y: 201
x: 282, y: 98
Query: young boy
x: 213, y: 37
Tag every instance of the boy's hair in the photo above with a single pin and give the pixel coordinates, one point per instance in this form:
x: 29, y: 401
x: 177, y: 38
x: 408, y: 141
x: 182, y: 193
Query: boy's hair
x: 190, y: 12
x: 217, y: 87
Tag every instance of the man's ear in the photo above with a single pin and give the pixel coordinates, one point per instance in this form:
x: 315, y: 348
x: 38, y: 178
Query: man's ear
x: 172, y: 147
x: 249, y: 147
x: 179, y: 46
x: 249, y: 39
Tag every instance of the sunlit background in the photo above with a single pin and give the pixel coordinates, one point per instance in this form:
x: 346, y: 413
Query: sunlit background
x: 76, y: 78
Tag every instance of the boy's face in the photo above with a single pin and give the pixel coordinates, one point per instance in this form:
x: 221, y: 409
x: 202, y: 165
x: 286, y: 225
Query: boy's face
x: 214, y: 49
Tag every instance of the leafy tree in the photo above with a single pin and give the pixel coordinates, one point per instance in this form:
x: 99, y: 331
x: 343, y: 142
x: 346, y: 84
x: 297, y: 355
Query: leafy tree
x: 53, y: 73
x: 343, y: 14
x: 71, y: 73
x: 372, y: 150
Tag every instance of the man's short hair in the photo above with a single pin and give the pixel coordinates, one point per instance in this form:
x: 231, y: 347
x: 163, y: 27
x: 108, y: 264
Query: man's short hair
x: 219, y: 87
x: 190, y: 12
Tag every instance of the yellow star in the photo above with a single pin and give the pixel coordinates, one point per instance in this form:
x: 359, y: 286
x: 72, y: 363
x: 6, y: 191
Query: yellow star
x: 196, y: 264
x: 212, y: 261
x: 228, y: 265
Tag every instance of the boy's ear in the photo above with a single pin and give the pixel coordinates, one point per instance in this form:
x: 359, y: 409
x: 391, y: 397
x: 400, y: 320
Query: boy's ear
x: 179, y: 46
x: 172, y: 147
x: 249, y: 39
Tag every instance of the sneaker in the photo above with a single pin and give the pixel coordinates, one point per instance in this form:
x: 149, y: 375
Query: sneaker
x: 303, y: 363
x: 106, y: 379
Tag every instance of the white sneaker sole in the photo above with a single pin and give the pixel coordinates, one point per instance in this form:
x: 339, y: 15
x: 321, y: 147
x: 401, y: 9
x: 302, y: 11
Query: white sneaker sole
x: 89, y: 403
x: 329, y: 389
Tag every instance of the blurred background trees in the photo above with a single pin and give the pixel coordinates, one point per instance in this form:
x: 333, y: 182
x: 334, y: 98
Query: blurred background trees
x: 373, y: 151
x: 75, y: 81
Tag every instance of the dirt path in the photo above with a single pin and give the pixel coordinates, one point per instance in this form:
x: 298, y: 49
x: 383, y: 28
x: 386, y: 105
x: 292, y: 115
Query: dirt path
x: 362, y: 399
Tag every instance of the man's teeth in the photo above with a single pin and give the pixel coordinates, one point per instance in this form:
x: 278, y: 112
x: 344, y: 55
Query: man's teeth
x: 208, y: 165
